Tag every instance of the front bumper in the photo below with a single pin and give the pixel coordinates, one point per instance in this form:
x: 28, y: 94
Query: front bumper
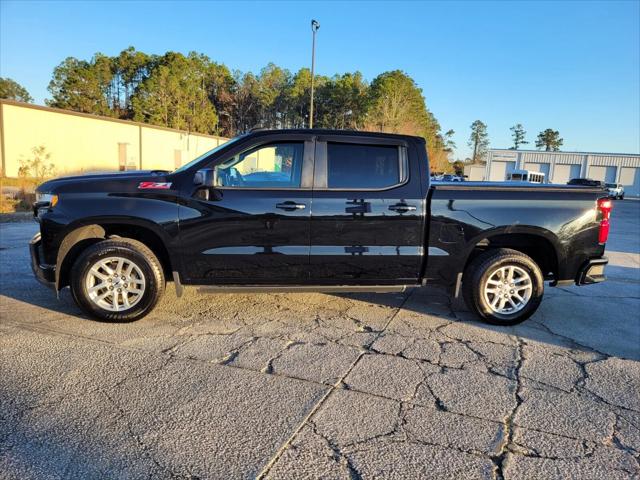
x: 45, y: 274
x: 592, y: 271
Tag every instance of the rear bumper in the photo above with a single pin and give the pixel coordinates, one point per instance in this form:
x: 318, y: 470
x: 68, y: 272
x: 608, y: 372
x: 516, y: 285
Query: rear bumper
x: 45, y: 274
x: 592, y: 271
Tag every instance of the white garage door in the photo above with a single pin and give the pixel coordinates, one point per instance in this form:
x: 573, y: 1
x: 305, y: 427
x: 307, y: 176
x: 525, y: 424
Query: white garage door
x: 499, y: 170
x: 564, y: 173
x: 605, y: 174
x: 630, y: 179
x: 597, y: 173
x: 539, y: 167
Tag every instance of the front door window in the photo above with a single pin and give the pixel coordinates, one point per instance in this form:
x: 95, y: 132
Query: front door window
x: 277, y: 165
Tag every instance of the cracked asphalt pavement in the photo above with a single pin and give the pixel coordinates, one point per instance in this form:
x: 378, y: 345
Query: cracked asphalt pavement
x: 322, y: 386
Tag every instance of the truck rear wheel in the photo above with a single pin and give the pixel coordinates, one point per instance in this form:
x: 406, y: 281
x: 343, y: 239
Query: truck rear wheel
x: 503, y: 286
x: 118, y: 280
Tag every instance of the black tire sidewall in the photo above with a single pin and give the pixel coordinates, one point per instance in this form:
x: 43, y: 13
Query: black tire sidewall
x: 104, y: 250
x: 481, y: 275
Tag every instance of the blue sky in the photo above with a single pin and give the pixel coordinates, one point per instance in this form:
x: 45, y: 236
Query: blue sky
x: 572, y: 66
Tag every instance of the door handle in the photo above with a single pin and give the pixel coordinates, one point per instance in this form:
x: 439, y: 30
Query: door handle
x: 290, y: 206
x: 402, y: 208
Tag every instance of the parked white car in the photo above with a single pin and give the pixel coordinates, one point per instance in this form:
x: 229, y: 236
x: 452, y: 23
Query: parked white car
x: 615, y: 190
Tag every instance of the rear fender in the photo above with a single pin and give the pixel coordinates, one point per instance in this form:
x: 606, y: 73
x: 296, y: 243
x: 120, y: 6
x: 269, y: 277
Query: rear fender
x: 530, y: 231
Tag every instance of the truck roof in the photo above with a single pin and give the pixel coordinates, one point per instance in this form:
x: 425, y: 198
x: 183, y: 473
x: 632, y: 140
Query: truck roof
x: 326, y: 131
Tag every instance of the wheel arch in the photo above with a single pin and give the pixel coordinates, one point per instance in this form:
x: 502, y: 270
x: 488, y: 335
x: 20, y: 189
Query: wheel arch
x: 80, y: 237
x: 538, y: 243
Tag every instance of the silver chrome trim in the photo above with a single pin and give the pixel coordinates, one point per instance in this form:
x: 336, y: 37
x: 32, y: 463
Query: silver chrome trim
x: 303, y: 288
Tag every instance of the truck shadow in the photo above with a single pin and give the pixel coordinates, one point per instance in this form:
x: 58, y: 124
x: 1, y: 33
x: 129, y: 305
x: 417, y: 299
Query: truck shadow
x: 575, y: 318
x: 578, y: 318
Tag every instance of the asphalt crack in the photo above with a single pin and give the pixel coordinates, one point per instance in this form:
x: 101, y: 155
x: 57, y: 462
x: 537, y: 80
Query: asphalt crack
x: 507, y: 442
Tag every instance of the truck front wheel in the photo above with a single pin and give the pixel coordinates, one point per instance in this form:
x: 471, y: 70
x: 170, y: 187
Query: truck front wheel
x: 118, y: 280
x: 503, y: 286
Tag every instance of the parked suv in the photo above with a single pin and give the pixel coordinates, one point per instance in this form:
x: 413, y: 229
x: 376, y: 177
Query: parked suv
x: 586, y: 182
x: 615, y: 190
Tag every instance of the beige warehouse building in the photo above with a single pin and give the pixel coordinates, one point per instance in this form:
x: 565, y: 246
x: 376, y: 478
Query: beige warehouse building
x: 83, y: 143
x: 560, y: 167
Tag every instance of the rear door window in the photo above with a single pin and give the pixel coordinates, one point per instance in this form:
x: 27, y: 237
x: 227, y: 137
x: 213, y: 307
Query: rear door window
x: 354, y: 166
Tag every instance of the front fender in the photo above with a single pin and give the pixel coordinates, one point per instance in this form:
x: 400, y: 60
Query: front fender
x: 82, y: 232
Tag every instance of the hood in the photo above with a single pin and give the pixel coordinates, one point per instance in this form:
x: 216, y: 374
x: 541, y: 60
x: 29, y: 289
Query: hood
x: 99, y: 182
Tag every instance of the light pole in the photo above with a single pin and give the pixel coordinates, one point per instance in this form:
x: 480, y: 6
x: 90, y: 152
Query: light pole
x: 314, y: 28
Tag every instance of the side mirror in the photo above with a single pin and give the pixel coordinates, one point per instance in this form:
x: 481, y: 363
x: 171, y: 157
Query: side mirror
x: 205, y: 178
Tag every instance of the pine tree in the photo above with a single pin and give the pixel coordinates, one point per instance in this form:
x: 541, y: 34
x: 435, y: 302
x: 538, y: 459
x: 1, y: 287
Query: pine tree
x: 550, y: 140
x: 518, y: 134
x: 479, y: 141
x: 12, y: 90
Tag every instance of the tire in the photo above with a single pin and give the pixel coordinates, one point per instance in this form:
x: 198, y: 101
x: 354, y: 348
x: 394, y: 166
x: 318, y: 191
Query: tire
x: 484, y: 275
x: 95, y: 287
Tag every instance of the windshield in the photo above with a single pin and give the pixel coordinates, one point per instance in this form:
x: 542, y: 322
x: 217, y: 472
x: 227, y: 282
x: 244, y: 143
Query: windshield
x: 186, y: 166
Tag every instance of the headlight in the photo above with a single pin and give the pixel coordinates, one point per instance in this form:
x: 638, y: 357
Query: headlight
x: 49, y: 198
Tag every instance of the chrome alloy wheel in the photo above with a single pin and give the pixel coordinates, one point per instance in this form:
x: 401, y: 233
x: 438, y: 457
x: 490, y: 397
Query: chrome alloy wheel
x: 508, y: 290
x: 115, y: 284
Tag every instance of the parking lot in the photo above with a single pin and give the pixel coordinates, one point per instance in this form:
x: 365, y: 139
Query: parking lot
x: 322, y: 386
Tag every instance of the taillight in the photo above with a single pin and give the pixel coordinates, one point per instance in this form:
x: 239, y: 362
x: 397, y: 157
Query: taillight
x: 604, y: 207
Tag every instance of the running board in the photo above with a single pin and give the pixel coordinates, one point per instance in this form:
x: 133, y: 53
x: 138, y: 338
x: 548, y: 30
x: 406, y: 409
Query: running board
x: 303, y: 288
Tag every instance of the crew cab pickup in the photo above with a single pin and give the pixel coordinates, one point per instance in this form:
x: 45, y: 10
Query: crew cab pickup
x: 314, y: 210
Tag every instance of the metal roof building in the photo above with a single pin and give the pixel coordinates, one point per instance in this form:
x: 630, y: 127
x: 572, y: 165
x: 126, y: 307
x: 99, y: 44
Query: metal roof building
x: 560, y: 167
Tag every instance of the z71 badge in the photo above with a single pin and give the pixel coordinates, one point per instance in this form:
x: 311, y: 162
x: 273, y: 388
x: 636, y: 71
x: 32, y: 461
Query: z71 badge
x: 154, y: 185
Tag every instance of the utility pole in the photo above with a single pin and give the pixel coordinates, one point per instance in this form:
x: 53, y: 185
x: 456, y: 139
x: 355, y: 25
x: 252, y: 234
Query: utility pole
x: 314, y: 28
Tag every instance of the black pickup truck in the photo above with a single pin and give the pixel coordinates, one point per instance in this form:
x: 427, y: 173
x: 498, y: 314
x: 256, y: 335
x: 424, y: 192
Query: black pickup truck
x: 314, y: 210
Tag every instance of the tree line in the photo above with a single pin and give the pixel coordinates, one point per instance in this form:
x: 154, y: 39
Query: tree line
x: 549, y: 140
x: 193, y: 93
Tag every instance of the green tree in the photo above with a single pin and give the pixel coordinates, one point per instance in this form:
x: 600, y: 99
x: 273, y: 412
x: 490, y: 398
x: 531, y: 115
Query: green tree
x: 518, y: 135
x: 273, y: 83
x: 82, y: 86
x: 175, y: 94
x: 196, y: 94
x: 396, y: 105
x: 458, y: 167
x: 479, y: 141
x: 246, y: 104
x: 12, y: 90
x: 550, y: 140
x: 220, y: 85
x: 447, y: 141
x: 298, y: 94
x: 130, y: 69
x: 345, y: 101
